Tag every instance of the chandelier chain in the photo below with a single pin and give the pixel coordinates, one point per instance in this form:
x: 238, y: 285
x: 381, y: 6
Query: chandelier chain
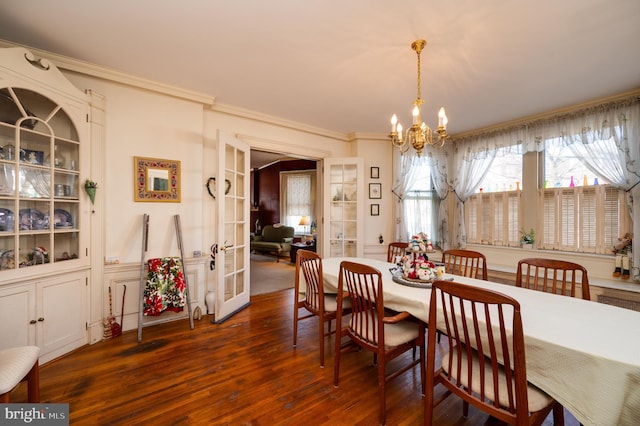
x: 419, y: 100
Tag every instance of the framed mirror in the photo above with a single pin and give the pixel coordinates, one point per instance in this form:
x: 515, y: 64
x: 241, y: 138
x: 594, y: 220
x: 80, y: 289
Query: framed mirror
x: 156, y: 180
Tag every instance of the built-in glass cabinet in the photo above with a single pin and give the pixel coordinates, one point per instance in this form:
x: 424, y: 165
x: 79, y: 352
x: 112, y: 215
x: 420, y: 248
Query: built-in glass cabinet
x: 344, y: 205
x: 39, y: 181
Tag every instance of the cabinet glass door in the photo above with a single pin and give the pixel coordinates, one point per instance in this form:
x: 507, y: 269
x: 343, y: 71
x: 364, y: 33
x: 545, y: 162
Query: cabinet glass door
x: 344, y: 202
x: 39, y: 181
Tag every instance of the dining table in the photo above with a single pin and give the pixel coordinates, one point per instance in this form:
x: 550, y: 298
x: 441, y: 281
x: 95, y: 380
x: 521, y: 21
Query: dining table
x: 584, y: 354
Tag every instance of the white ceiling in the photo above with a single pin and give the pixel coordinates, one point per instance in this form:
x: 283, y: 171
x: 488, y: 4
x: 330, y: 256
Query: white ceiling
x: 346, y: 66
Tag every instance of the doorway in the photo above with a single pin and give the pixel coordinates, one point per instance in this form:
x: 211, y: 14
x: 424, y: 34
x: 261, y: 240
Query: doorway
x: 266, y: 168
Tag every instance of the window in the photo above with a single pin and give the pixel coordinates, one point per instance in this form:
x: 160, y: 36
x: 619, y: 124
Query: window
x: 420, y: 204
x: 494, y: 218
x: 582, y: 219
x: 505, y: 173
x: 563, y: 168
x: 493, y: 213
x: 297, y: 198
x: 576, y: 211
x: 580, y: 213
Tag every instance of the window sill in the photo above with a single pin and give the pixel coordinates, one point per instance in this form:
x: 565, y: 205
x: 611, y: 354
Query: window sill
x: 599, y: 266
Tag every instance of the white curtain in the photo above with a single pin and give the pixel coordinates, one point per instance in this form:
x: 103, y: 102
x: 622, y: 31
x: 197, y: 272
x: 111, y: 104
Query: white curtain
x: 438, y: 159
x: 606, y: 138
x: 406, y: 167
x: 472, y: 159
x: 297, y: 198
x: 618, y: 164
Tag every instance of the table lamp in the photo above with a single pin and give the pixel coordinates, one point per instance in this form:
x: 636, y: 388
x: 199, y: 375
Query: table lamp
x: 304, y: 221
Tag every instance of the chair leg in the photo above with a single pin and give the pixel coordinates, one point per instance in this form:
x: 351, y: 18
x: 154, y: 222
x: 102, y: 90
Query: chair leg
x: 381, y: 392
x: 33, y: 386
x: 321, y: 336
x: 33, y: 383
x: 558, y: 415
x: 295, y: 321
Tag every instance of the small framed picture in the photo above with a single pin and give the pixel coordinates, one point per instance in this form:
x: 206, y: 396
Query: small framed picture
x: 375, y: 190
x: 375, y: 173
x: 375, y: 209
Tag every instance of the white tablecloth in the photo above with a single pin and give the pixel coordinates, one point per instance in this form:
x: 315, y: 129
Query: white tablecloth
x: 584, y: 354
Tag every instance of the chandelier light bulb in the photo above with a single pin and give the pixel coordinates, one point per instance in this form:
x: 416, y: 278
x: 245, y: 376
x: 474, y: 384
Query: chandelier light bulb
x: 416, y: 114
x: 394, y: 121
x: 442, y: 118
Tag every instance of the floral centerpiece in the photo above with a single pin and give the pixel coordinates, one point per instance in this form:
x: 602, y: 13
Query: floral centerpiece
x: 418, y: 268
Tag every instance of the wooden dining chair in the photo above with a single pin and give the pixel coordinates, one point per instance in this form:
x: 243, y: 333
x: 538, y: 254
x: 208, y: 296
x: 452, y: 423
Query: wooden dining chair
x: 396, y: 248
x: 369, y: 328
x: 485, y: 365
x: 315, y: 301
x: 467, y: 263
x: 553, y: 276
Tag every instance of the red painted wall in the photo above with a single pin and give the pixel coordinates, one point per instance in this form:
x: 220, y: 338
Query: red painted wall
x: 266, y: 190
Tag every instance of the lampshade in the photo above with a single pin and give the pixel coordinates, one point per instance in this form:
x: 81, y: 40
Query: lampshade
x: 304, y: 221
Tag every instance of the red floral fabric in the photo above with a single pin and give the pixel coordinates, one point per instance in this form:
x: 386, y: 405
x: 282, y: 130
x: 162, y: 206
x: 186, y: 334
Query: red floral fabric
x: 165, y: 286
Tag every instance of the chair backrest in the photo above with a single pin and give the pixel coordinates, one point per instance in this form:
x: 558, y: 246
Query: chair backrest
x: 491, y: 336
x: 363, y: 283
x: 467, y: 263
x: 309, y: 271
x: 553, y: 276
x: 396, y: 248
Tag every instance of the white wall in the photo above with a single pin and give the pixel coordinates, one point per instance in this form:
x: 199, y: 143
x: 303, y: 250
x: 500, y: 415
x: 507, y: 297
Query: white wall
x: 143, y: 122
x: 377, y: 152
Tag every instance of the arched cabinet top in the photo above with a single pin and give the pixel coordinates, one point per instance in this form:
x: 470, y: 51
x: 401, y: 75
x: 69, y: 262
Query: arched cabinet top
x: 19, y: 67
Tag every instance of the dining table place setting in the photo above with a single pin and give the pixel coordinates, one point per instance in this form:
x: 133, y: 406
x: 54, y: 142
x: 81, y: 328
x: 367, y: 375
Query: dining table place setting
x: 584, y: 354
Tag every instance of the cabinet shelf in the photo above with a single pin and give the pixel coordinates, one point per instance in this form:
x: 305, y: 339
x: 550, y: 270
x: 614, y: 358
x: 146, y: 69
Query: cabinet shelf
x: 39, y: 184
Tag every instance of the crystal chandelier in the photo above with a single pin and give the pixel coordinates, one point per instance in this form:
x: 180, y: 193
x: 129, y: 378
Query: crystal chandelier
x: 419, y: 133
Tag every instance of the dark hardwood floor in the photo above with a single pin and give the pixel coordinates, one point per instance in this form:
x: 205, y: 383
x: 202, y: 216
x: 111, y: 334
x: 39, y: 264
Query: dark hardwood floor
x: 242, y: 372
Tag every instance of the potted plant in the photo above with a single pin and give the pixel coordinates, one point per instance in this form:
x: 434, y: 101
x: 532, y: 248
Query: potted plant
x: 527, y: 239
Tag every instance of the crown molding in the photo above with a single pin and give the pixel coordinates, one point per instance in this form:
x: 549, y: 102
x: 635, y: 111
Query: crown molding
x: 281, y: 122
x: 86, y: 68
x: 546, y: 115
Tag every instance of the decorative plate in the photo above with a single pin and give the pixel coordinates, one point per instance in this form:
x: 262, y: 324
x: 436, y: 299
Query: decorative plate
x: 62, y: 219
x: 398, y: 278
x: 32, y: 219
x: 6, y: 220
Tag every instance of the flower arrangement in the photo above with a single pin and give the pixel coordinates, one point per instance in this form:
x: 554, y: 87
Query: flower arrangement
x: 527, y: 237
x: 418, y: 268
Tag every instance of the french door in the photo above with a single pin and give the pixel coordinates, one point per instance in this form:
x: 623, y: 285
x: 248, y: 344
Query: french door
x: 232, y: 259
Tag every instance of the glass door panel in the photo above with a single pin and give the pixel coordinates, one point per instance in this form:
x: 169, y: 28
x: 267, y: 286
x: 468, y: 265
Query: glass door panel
x: 344, y: 207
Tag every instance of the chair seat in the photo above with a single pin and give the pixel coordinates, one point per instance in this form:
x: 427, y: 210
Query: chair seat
x: 537, y: 398
x: 15, y: 364
x: 394, y: 334
x: 331, y: 303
